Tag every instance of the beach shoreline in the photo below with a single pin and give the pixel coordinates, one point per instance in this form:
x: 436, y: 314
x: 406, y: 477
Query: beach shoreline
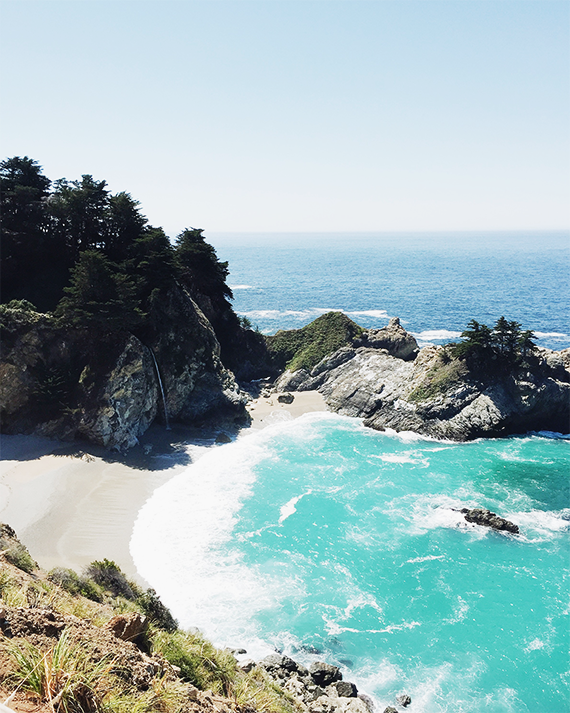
x: 71, y: 503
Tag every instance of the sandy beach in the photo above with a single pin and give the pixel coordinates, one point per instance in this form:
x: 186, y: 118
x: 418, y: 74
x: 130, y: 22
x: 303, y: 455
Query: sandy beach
x: 71, y: 504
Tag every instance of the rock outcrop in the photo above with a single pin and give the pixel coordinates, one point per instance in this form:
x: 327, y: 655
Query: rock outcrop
x: 486, y: 518
x: 438, y: 395
x: 393, y: 338
x: 67, y: 382
x: 318, y: 689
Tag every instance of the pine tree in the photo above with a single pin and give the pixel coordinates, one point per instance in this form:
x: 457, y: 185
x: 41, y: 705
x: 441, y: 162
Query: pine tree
x: 100, y: 295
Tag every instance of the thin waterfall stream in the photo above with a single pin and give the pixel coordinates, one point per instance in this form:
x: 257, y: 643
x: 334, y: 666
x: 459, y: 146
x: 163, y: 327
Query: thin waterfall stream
x: 161, y: 390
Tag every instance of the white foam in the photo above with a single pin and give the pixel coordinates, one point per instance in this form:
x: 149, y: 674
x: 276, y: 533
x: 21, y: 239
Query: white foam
x: 428, y: 558
x: 378, y: 313
x: 534, y: 645
x: 181, y: 541
x: 538, y: 525
x: 241, y: 287
x: 312, y: 312
x: 551, y: 335
x: 289, y: 508
x: 429, y: 335
x: 402, y: 458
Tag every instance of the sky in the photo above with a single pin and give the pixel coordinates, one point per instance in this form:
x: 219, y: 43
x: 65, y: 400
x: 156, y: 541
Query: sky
x: 299, y: 115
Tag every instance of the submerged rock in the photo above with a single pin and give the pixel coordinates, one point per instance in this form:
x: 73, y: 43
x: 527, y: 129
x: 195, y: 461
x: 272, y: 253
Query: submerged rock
x: 403, y: 700
x: 482, y: 516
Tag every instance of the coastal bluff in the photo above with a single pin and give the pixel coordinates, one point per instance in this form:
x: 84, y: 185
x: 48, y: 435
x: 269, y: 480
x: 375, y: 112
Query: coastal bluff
x: 107, y: 387
x: 384, y: 378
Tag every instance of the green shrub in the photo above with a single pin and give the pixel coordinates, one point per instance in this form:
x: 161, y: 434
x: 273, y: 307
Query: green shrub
x: 18, y: 555
x: 20, y: 305
x: 75, y: 584
x: 107, y: 574
x: 159, y: 615
x: 199, y: 661
x: 304, y: 348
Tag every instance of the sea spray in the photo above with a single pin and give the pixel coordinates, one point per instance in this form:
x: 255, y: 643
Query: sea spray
x: 328, y: 540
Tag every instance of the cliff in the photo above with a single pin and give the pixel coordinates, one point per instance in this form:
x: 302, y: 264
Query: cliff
x: 379, y: 378
x: 102, y: 385
x: 95, y: 642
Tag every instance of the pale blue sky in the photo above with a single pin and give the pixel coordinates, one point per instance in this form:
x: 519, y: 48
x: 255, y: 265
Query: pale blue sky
x: 299, y: 115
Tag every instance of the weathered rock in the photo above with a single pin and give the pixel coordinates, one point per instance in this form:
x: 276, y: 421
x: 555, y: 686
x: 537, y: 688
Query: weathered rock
x: 403, y: 700
x: 128, y: 627
x: 390, y: 709
x: 345, y: 689
x: 482, y: 516
x: 324, y: 674
x: 393, y: 338
x: 285, y: 398
x: 247, y: 666
x: 277, y: 662
x: 438, y: 396
x: 66, y: 382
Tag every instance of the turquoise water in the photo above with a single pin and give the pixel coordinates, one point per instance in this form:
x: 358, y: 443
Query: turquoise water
x: 330, y: 541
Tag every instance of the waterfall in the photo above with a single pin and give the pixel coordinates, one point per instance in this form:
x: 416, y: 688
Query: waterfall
x: 161, y: 391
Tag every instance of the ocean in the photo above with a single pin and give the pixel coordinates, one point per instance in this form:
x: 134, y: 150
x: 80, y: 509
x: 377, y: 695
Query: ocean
x: 329, y: 541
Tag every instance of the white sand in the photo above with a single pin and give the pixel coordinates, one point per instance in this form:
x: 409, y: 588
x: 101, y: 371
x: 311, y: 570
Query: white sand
x: 71, y: 510
x: 265, y: 411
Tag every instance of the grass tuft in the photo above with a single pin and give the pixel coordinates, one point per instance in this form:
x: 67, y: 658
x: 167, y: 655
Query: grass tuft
x: 200, y: 663
x: 61, y: 675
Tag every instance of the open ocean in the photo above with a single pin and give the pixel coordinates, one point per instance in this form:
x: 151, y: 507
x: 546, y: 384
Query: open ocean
x: 329, y: 541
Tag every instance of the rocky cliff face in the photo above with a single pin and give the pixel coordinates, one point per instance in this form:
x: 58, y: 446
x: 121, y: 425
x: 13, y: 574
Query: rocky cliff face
x: 439, y: 396
x: 66, y: 383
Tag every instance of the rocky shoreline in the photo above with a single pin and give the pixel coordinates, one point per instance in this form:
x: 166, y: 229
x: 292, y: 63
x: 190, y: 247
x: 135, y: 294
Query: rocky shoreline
x: 385, y: 379
x: 321, y: 687
x: 70, y: 383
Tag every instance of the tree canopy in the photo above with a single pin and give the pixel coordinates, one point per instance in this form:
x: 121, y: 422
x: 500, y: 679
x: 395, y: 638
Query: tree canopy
x: 504, y: 344
x: 90, y: 255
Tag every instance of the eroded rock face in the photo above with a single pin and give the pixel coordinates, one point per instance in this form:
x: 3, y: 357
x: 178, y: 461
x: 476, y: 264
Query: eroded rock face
x: 438, y: 396
x: 393, y: 338
x: 66, y: 382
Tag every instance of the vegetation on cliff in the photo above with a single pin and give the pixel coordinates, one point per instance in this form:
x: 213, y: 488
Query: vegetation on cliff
x: 304, y: 348
x: 503, y: 346
x: 90, y: 256
x: 98, y: 643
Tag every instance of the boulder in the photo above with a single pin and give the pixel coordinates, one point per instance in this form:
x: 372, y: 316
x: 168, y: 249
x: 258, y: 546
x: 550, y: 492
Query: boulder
x: 403, y: 700
x: 482, y: 516
x: 278, y: 663
x: 323, y: 674
x: 345, y: 689
x: 285, y: 398
x: 128, y: 627
x: 393, y: 338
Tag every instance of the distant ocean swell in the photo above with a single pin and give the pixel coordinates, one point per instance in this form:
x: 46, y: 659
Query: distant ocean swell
x: 319, y: 535
x: 435, y: 283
